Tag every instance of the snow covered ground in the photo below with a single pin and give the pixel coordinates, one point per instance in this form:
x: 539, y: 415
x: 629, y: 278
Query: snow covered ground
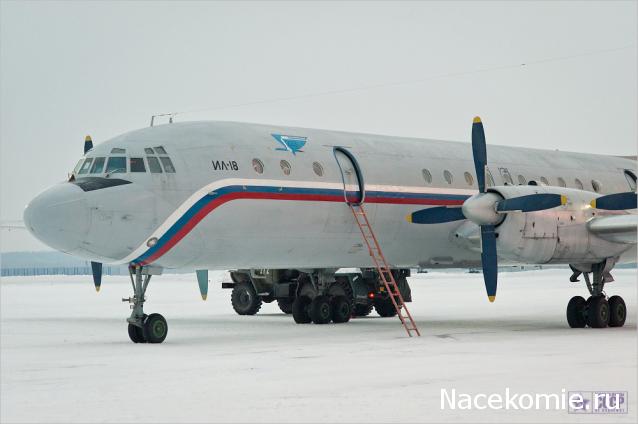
x: 66, y: 356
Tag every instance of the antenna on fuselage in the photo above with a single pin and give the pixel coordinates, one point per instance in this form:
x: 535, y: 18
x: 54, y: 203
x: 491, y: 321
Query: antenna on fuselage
x: 170, y: 117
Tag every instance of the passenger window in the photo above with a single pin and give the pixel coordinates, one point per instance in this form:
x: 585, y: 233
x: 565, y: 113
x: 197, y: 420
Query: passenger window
x: 137, y: 165
x: 154, y: 165
x: 427, y: 176
x: 561, y: 182
x: 505, y: 174
x: 285, y: 166
x: 149, y: 151
x: 116, y: 164
x: 596, y: 185
x: 160, y: 151
x: 167, y: 164
x: 544, y: 181
x: 468, y: 178
x: 522, y: 180
x: 258, y: 166
x: 448, y: 176
x: 87, y: 165
x: 316, y: 166
x: 631, y: 179
x: 98, y: 166
x: 579, y: 184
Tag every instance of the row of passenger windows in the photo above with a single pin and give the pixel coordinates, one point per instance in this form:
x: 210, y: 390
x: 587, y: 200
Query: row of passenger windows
x: 115, y: 164
x: 286, y: 168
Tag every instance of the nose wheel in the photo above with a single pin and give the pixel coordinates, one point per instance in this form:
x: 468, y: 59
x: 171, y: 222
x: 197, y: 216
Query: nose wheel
x: 143, y: 328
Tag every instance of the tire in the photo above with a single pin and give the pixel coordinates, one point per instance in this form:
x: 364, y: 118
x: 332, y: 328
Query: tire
x: 285, y: 305
x: 363, y: 310
x: 597, y: 312
x: 244, y: 299
x: 136, y: 334
x: 341, y: 310
x: 576, y: 312
x: 301, y: 310
x: 617, y: 311
x: 320, y: 310
x: 385, y: 307
x: 155, y: 328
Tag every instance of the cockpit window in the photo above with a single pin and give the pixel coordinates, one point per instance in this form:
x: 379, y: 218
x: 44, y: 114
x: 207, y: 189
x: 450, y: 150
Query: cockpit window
x: 154, y: 165
x: 149, y: 151
x: 116, y: 164
x: 86, y: 166
x: 77, y: 166
x: 137, y: 165
x: 167, y: 164
x: 118, y: 150
x: 160, y: 150
x: 98, y: 166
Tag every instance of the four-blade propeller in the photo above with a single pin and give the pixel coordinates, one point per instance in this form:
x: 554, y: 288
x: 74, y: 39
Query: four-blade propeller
x: 485, y: 209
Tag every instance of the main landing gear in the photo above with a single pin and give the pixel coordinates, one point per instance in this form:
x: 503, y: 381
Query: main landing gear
x: 597, y: 311
x: 143, y: 328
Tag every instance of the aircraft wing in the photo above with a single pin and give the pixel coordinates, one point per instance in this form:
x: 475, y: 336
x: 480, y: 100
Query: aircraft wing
x: 617, y: 228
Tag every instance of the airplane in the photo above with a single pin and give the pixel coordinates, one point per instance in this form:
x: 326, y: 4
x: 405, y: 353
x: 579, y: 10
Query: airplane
x: 274, y: 204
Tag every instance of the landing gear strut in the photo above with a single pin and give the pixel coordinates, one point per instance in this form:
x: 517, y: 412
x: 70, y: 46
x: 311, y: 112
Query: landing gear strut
x: 143, y: 328
x: 597, y: 311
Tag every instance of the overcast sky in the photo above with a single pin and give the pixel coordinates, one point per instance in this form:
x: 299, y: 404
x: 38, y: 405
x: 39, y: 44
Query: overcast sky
x: 68, y: 69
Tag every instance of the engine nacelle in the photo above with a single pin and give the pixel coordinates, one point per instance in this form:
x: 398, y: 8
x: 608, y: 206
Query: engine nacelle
x: 557, y: 235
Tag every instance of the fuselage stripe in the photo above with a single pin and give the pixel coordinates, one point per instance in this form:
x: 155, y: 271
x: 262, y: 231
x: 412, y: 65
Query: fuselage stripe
x: 212, y: 200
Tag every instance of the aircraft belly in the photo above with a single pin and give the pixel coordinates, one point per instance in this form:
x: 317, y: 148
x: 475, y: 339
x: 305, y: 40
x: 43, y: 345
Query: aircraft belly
x: 250, y: 233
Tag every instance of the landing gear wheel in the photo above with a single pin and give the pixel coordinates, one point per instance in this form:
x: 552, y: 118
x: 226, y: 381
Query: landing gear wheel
x: 320, y: 310
x: 385, y: 307
x: 244, y: 299
x: 300, y: 310
x: 155, y: 328
x: 341, y: 309
x: 285, y: 305
x: 617, y: 311
x: 363, y: 310
x: 136, y: 334
x: 576, y: 312
x: 597, y: 312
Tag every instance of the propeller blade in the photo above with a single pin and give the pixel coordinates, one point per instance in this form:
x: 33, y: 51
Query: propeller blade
x: 489, y: 260
x: 202, y: 281
x: 479, y: 152
x: 88, y: 143
x: 616, y: 202
x: 96, y: 269
x: 437, y: 215
x: 531, y: 203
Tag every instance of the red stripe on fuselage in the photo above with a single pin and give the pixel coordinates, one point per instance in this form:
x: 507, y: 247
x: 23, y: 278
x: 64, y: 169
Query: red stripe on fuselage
x: 182, y: 232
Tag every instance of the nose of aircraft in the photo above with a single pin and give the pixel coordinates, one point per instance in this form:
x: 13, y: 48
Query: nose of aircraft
x: 59, y: 217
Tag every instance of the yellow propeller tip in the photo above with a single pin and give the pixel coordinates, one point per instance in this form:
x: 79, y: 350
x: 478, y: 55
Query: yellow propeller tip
x: 563, y: 200
x: 593, y: 203
x: 491, y: 298
x: 97, y: 289
x: 204, y: 296
x: 408, y: 217
x: 477, y: 119
x: 87, y: 138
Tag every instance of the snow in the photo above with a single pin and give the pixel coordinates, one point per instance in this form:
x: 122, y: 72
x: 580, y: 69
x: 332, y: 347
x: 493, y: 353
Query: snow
x: 66, y: 357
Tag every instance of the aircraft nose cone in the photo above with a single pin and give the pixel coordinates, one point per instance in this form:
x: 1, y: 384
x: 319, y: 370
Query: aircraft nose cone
x: 59, y: 217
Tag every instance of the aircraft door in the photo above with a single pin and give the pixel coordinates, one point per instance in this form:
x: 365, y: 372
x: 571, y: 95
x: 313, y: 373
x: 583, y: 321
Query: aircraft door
x: 351, y: 176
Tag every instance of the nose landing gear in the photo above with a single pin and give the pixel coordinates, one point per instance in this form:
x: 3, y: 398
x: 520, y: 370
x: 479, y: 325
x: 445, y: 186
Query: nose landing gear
x: 143, y: 328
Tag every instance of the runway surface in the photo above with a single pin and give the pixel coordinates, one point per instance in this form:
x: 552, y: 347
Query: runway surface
x: 66, y: 356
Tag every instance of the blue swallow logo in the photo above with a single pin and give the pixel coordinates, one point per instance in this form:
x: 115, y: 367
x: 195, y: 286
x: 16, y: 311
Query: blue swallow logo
x: 290, y: 143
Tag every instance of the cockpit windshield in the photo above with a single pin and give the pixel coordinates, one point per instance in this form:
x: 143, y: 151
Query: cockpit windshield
x: 115, y: 164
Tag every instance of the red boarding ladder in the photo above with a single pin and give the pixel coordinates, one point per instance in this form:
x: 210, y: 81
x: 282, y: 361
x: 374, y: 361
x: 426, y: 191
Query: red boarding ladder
x: 383, y: 269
